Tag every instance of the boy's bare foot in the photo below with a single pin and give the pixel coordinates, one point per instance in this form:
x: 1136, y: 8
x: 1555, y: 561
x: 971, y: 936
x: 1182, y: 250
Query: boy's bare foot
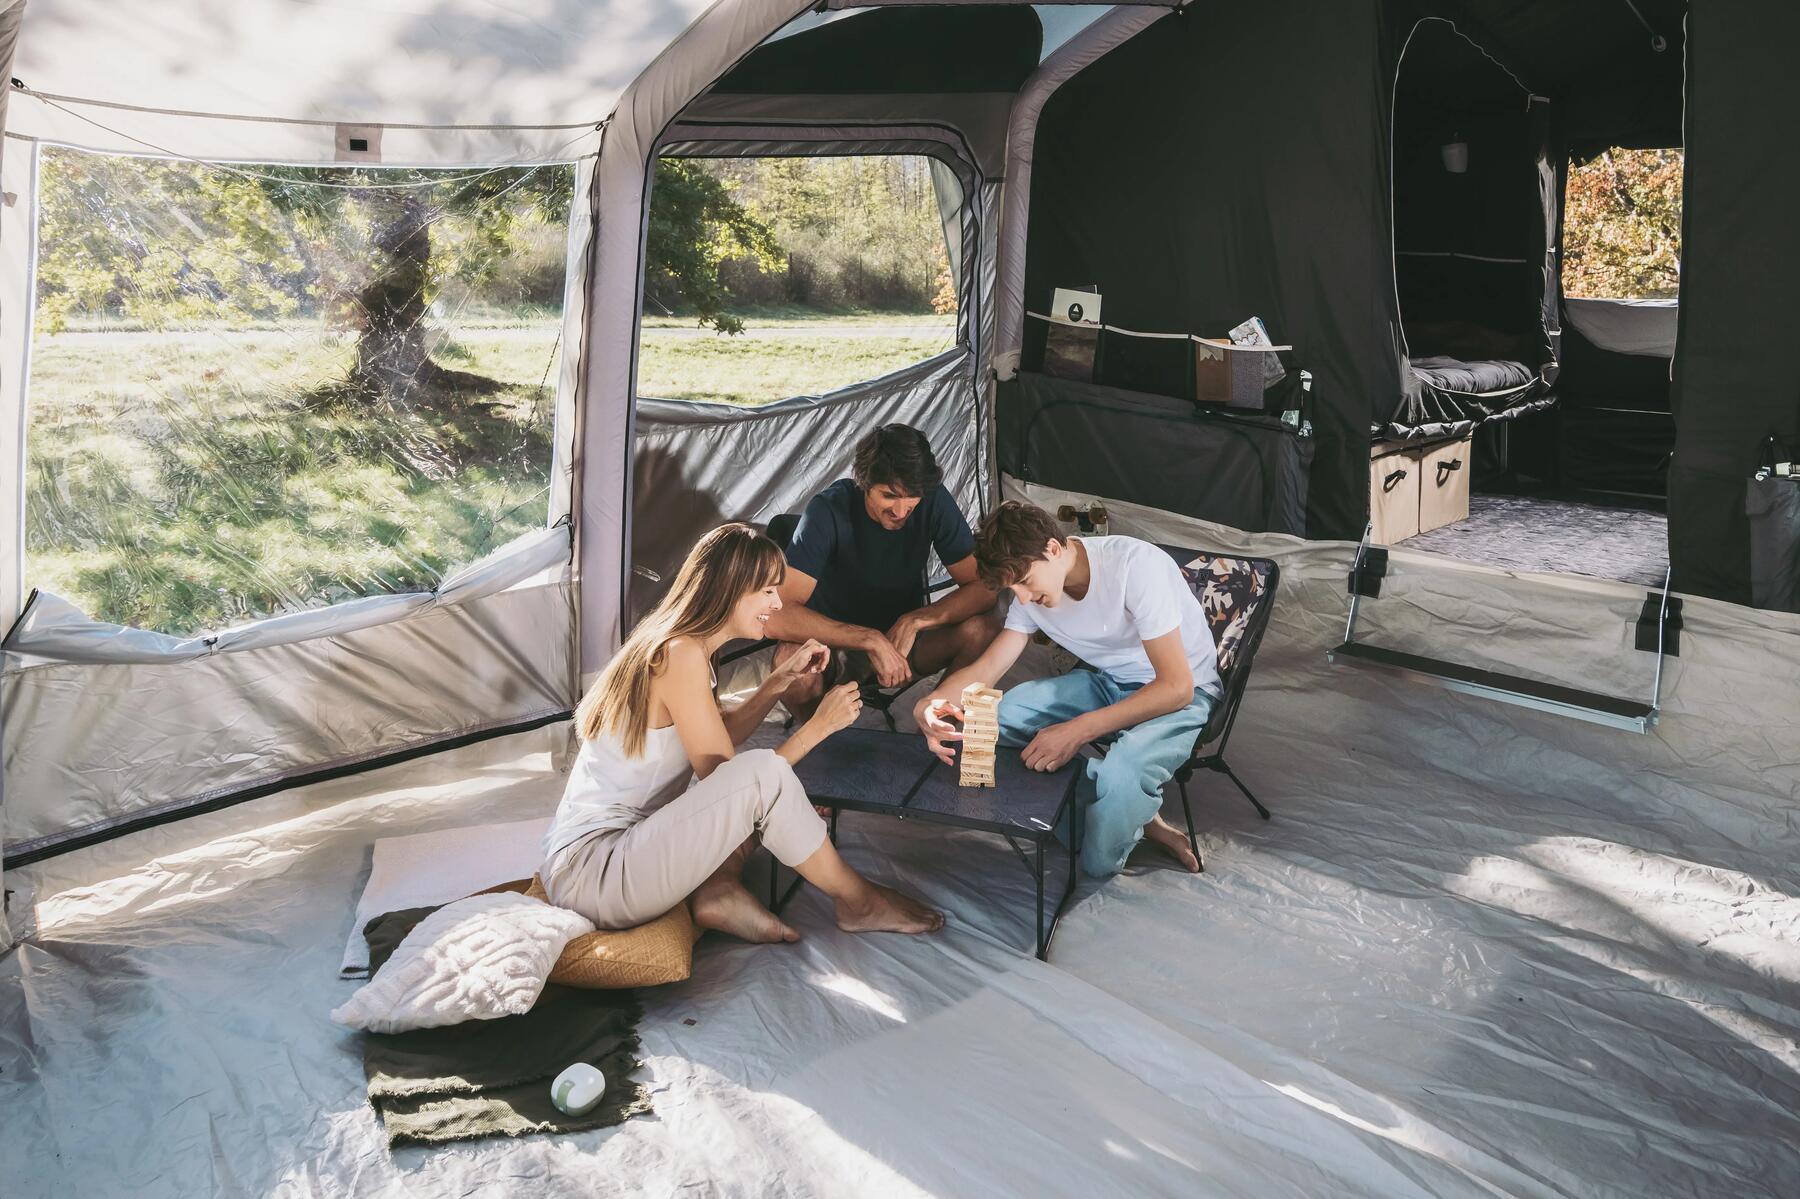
x: 1175, y: 841
x: 885, y: 910
x: 728, y: 907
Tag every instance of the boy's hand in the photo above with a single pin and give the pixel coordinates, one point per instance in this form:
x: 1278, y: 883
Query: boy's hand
x: 933, y: 717
x: 1053, y: 746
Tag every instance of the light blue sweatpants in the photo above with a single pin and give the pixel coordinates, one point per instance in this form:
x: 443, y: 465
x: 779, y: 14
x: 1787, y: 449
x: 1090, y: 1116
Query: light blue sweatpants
x: 1122, y: 791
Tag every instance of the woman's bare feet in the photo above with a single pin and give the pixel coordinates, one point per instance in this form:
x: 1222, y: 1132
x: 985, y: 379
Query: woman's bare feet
x: 885, y: 910
x: 728, y: 907
x: 1175, y: 841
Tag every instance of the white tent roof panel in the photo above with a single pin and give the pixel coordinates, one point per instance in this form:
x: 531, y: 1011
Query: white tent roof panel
x: 446, y: 63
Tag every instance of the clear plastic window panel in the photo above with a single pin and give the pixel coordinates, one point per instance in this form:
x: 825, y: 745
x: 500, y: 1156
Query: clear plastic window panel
x: 259, y: 389
x: 768, y: 278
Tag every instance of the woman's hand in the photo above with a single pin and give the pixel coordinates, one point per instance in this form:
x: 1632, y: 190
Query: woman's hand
x: 837, y: 710
x: 933, y: 718
x: 810, y: 658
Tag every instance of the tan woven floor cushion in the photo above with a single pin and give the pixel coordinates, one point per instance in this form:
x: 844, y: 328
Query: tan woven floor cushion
x: 661, y: 951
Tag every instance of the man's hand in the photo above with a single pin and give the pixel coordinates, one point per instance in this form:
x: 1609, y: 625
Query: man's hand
x: 933, y: 717
x: 905, y: 631
x: 1054, y: 746
x: 891, y: 666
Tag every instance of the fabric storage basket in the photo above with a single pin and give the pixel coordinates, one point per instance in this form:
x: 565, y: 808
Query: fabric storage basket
x: 1393, y: 493
x: 1444, y: 484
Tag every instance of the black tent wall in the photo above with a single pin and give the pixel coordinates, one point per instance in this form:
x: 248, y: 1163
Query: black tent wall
x: 1735, y: 381
x: 1229, y: 162
x: 1459, y: 238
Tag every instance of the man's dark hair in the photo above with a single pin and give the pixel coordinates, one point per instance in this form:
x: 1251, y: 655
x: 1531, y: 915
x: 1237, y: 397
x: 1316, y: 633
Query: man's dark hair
x: 899, y: 456
x: 1012, y: 538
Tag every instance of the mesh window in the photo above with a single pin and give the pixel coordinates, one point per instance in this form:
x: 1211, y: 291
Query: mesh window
x: 259, y: 389
x: 768, y: 278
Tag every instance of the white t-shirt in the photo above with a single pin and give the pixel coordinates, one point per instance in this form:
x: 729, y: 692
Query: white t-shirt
x: 1135, y: 594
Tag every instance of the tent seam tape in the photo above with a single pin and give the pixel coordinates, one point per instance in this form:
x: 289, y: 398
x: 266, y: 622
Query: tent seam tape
x: 54, y: 100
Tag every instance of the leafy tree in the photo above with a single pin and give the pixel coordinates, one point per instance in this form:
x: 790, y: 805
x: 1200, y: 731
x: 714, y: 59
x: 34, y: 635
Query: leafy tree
x: 172, y: 244
x: 856, y: 232
x: 696, y: 225
x: 1622, y: 224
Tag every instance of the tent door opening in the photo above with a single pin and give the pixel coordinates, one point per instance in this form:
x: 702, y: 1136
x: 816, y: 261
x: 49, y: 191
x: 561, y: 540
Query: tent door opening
x: 1563, y: 447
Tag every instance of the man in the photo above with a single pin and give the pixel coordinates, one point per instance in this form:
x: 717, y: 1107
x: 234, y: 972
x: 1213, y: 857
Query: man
x: 1150, y: 681
x: 856, y: 571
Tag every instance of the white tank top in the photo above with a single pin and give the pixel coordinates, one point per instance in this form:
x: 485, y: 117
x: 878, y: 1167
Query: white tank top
x: 608, y: 790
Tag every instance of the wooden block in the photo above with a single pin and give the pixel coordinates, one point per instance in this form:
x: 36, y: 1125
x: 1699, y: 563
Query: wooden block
x: 981, y: 731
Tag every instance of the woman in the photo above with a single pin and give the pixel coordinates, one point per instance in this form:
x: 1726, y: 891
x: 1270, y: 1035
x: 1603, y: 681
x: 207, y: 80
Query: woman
x: 659, y: 809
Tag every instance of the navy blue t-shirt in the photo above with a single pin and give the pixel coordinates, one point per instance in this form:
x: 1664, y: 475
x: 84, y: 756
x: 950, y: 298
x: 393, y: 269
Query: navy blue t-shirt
x: 869, y: 575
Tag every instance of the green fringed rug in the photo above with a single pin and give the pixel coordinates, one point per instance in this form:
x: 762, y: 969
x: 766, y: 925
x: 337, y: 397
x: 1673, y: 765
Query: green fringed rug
x: 485, y: 1078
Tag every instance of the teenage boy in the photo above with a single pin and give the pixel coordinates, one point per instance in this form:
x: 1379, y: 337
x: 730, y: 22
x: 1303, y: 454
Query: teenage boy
x: 856, y: 571
x: 1150, y: 681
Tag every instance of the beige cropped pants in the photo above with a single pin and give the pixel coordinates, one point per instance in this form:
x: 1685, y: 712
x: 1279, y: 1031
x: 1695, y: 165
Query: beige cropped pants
x: 626, y: 877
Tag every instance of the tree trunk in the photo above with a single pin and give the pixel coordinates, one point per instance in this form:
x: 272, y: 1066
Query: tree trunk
x: 391, y: 357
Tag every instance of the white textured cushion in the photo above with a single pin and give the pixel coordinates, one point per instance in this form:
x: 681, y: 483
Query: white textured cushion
x: 475, y: 959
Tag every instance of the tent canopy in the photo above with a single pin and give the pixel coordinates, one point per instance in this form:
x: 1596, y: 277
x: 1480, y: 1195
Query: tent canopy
x: 515, y: 78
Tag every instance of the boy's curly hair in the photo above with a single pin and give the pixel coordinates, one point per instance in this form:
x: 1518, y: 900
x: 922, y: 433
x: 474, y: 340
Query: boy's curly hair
x: 1012, y: 538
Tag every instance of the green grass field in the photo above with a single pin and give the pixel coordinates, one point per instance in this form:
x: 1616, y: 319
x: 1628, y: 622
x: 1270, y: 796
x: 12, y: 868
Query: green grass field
x: 188, y: 482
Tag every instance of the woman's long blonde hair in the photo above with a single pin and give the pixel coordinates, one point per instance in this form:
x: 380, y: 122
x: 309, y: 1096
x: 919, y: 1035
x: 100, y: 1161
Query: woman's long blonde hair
x: 726, y: 565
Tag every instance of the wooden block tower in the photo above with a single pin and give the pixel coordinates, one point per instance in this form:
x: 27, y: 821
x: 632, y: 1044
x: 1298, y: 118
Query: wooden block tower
x: 981, y: 731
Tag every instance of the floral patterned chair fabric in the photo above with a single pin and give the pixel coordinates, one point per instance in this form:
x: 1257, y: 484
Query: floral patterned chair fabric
x: 1231, y: 592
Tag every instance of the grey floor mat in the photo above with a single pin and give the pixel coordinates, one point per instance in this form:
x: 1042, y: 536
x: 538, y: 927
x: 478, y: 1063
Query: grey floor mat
x: 1521, y: 533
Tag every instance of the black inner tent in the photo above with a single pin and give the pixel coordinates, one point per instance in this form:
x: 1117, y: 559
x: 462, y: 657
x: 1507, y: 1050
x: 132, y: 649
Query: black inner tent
x: 1473, y: 210
x: 1479, y: 260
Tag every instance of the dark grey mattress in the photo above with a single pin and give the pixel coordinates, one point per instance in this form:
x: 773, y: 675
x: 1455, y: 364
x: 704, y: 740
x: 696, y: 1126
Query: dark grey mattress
x: 1481, y: 377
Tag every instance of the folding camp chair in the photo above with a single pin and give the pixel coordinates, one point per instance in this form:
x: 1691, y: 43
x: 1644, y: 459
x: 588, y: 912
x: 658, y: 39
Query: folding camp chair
x: 1237, y: 595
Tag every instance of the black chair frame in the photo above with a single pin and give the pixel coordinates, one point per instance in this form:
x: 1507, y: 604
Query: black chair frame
x: 1206, y: 755
x: 1209, y: 747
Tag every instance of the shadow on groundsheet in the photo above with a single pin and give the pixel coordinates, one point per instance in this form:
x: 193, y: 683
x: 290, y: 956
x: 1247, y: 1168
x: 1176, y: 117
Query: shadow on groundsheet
x: 1459, y: 961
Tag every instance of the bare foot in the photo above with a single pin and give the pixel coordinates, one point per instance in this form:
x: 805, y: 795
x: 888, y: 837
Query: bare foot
x: 730, y: 908
x: 886, y: 910
x: 1175, y: 841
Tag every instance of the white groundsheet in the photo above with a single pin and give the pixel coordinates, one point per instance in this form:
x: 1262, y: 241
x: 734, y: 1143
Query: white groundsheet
x: 1478, y: 951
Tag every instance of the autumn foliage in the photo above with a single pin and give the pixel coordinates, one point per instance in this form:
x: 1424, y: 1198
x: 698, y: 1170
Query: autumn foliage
x: 1622, y: 225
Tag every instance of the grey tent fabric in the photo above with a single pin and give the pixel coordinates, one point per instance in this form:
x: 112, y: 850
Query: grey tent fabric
x: 1641, y: 327
x: 697, y: 465
x: 96, y: 748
